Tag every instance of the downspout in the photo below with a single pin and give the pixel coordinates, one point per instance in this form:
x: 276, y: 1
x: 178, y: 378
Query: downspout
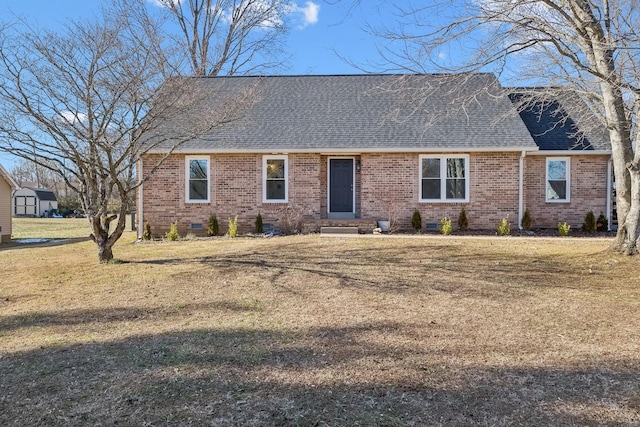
x: 140, y: 203
x: 609, y: 191
x: 523, y: 154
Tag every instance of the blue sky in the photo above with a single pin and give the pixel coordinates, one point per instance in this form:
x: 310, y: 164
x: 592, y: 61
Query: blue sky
x: 323, y: 32
x: 321, y: 27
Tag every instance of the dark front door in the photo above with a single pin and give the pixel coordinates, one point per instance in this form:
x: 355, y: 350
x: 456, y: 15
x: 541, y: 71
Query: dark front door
x: 341, y: 186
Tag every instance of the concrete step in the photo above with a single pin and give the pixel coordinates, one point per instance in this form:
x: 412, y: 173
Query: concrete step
x: 338, y: 230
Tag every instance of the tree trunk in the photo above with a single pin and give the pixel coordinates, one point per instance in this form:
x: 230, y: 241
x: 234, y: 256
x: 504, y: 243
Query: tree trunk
x: 102, y: 234
x: 627, y: 237
x: 105, y: 253
x: 101, y: 238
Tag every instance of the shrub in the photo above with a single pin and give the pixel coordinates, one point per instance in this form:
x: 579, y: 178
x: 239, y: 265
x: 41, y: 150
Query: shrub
x: 463, y: 221
x: 504, y: 228
x: 233, y: 227
x: 416, y: 220
x: 445, y: 226
x: 589, y: 224
x: 213, y: 229
x: 602, y: 223
x: 526, y: 220
x: 563, y: 228
x: 70, y: 202
x: 172, y: 234
x: 259, y: 226
x: 146, y: 231
x: 290, y: 219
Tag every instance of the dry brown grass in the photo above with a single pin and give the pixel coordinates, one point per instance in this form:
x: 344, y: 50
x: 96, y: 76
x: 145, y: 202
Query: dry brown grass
x: 315, y: 331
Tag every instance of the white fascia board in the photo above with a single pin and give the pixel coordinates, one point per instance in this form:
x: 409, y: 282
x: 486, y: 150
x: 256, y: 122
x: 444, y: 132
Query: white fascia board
x: 14, y: 185
x: 569, y: 153
x: 345, y: 151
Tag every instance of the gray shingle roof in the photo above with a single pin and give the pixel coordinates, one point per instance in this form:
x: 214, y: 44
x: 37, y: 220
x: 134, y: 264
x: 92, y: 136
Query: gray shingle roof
x: 45, y: 195
x: 360, y: 113
x: 554, y: 122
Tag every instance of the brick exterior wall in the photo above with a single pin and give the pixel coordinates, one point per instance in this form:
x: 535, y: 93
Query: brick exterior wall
x: 390, y: 184
x: 385, y: 182
x: 588, y: 191
x: 235, y: 189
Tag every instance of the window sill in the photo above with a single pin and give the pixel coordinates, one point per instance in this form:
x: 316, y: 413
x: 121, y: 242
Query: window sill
x: 443, y: 201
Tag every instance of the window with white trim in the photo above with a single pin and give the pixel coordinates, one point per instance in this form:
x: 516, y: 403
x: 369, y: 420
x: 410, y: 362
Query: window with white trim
x: 444, y: 178
x: 558, y: 182
x: 275, y: 176
x: 197, y: 179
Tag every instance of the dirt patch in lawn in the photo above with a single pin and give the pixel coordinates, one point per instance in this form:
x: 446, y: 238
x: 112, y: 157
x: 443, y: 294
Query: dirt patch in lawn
x: 311, y: 331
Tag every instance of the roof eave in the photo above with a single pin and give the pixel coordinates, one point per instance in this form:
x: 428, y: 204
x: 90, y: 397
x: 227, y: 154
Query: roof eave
x: 570, y: 153
x: 345, y: 150
x: 14, y: 185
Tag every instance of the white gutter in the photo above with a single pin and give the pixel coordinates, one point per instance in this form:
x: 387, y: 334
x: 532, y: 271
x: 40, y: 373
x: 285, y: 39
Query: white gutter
x: 609, y: 191
x: 140, y: 202
x: 570, y: 153
x: 521, y: 189
x: 344, y: 151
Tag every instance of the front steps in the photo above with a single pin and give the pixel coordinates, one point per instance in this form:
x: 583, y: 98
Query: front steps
x: 339, y: 226
x: 339, y: 230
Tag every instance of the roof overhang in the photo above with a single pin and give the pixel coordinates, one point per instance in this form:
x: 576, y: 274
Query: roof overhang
x: 569, y: 153
x: 328, y: 150
x: 7, y: 177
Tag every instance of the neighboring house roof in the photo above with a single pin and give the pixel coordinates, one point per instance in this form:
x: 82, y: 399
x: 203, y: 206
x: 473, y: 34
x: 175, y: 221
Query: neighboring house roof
x: 356, y: 112
x: 553, y: 123
x: 42, y: 194
x: 4, y: 174
x: 46, y: 195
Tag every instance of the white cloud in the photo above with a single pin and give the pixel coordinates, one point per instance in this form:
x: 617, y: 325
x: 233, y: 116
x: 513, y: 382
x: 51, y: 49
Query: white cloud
x: 73, y: 118
x: 309, y: 12
x: 162, y: 3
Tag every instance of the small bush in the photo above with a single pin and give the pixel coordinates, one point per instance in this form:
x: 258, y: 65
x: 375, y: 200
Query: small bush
x: 290, y: 219
x: 190, y: 236
x: 416, y: 220
x: 445, y: 226
x: 602, y: 223
x: 259, y: 226
x: 463, y: 221
x: 504, y: 228
x: 213, y: 229
x: 589, y: 224
x: 233, y: 227
x: 563, y: 228
x: 172, y: 234
x: 146, y: 231
x: 526, y: 220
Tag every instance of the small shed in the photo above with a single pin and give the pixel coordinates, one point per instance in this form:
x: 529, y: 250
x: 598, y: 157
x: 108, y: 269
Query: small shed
x: 7, y: 185
x: 34, y: 202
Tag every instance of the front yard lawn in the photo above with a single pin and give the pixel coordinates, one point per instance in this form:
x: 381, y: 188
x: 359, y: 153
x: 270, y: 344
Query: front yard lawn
x: 311, y: 331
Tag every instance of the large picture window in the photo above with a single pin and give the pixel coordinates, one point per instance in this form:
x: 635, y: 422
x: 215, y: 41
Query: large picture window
x: 557, y: 188
x: 197, y: 179
x: 275, y: 176
x: 444, y: 178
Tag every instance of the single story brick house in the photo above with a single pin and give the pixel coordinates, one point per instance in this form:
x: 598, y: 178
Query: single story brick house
x: 7, y: 185
x: 353, y: 149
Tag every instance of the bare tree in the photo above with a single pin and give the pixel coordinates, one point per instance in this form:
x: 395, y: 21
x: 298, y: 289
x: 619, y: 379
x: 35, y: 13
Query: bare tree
x: 590, y: 48
x: 84, y: 102
x: 229, y: 36
x: 27, y: 172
